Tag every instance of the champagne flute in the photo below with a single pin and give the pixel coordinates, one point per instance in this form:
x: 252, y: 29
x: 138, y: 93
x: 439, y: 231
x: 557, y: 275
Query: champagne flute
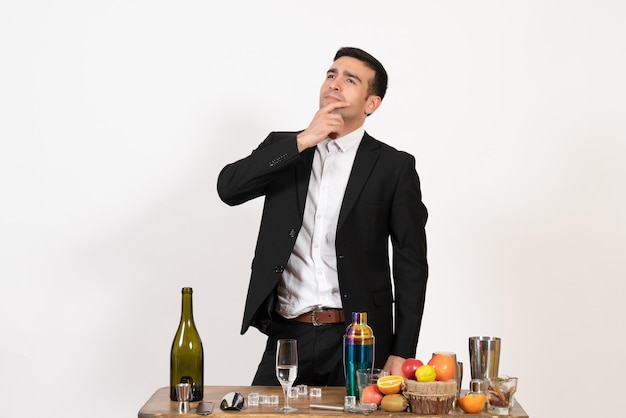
x: 286, y: 368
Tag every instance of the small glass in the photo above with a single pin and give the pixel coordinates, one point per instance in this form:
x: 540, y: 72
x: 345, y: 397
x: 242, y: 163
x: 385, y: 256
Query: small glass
x: 458, y: 376
x: 500, y: 391
x: 367, y: 377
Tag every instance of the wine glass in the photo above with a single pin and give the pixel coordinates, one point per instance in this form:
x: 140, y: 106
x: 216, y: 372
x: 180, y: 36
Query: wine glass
x: 286, y: 368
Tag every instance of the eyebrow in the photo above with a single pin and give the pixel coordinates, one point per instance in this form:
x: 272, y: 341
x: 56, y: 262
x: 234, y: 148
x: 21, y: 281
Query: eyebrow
x: 346, y: 73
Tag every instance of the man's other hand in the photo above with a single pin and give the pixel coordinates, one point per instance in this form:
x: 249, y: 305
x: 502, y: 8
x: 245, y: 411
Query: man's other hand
x: 393, y: 365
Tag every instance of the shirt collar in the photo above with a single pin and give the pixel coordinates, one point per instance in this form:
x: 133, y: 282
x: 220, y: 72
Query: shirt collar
x: 348, y: 141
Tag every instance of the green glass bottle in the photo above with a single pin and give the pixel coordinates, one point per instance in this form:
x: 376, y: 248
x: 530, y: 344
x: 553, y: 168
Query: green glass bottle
x: 187, y: 355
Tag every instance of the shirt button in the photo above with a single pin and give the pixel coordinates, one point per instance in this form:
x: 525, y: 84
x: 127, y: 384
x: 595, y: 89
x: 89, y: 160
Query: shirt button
x: 292, y: 233
x: 279, y: 269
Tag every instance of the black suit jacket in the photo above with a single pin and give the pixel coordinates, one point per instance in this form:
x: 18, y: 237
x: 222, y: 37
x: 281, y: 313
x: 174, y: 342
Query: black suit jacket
x: 382, y: 201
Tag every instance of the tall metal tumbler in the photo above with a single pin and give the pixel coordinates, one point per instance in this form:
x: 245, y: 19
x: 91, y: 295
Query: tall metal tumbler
x: 484, y: 355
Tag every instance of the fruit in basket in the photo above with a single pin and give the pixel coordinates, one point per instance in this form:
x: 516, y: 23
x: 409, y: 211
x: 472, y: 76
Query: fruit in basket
x: 425, y: 373
x: 371, y: 394
x: 389, y: 385
x: 444, y: 366
x: 472, y: 402
x: 394, y: 403
x: 410, y: 366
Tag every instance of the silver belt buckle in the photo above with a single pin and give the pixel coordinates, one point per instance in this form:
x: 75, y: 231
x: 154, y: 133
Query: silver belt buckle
x: 313, y: 320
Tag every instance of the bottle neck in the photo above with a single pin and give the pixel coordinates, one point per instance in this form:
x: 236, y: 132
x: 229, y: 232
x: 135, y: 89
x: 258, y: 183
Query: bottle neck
x: 187, y: 306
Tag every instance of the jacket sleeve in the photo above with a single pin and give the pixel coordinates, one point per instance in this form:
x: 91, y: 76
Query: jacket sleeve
x: 248, y: 178
x: 410, y: 268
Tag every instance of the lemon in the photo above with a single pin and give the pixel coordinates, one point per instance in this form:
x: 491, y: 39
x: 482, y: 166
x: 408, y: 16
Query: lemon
x: 425, y: 373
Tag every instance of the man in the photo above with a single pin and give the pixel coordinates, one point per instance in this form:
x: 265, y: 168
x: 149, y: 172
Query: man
x: 334, y: 198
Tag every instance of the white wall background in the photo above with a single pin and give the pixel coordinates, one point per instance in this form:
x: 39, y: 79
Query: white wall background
x: 116, y: 117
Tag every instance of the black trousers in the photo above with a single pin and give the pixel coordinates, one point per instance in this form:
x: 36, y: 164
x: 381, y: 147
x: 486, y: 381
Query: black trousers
x: 320, y: 353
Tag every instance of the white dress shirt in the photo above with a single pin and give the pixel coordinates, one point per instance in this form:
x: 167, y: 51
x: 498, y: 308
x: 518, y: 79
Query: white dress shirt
x: 310, y: 279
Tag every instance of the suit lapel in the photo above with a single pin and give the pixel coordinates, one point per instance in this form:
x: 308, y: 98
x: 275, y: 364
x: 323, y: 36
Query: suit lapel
x: 363, y: 163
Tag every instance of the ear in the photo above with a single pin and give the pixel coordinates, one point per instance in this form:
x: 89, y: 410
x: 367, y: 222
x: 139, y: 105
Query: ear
x: 371, y: 104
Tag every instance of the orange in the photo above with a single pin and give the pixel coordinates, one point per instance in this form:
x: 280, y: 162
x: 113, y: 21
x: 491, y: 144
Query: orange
x: 425, y: 373
x: 389, y: 385
x: 444, y: 365
x: 472, y: 403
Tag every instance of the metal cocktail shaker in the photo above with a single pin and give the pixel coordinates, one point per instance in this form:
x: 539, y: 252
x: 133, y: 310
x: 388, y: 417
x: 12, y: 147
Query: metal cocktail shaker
x: 358, y: 351
x: 484, y: 355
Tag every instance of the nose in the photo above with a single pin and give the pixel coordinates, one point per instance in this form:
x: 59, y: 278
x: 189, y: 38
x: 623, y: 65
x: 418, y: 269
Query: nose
x: 334, y: 84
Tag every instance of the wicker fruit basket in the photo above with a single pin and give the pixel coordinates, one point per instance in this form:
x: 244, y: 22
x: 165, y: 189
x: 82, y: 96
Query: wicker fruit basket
x: 430, y: 398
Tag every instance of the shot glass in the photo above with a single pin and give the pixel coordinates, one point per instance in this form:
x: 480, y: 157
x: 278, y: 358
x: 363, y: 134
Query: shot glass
x: 500, y: 391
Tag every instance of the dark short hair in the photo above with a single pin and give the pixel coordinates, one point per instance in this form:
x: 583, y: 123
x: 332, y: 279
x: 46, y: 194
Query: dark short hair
x: 379, y: 86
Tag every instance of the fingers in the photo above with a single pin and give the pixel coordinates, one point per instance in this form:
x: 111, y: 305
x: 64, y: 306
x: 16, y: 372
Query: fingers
x: 332, y: 106
x: 325, y: 123
x: 328, y: 120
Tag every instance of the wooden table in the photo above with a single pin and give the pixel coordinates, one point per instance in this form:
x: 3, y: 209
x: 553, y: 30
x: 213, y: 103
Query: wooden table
x: 159, y: 405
